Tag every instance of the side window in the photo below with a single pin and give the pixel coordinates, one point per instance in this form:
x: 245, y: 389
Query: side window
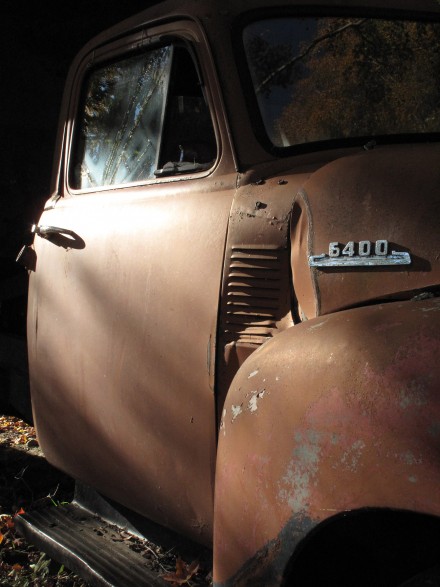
x: 188, y: 139
x: 142, y: 117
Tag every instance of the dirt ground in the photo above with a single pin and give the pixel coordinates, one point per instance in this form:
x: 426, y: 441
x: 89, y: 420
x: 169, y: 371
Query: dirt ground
x: 28, y: 481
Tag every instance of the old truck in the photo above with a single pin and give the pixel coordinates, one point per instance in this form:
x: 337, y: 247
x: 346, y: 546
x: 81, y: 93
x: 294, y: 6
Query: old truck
x: 233, y: 318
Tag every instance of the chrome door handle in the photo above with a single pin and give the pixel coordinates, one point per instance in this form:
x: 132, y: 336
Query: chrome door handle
x: 47, y: 231
x: 62, y: 237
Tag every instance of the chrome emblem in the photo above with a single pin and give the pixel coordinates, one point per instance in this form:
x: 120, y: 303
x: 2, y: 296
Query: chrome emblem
x: 361, y: 254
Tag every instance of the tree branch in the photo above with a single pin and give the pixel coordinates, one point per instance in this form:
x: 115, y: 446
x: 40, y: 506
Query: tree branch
x: 297, y: 58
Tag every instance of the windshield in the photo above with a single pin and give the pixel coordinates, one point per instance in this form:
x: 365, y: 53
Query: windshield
x: 320, y: 79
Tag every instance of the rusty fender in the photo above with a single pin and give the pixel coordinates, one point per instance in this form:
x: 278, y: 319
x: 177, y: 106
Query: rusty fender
x: 338, y: 413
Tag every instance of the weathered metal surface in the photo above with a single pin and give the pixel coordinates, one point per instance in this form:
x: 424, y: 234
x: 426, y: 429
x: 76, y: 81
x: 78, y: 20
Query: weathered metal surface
x: 145, y: 301
x: 335, y: 414
x: 120, y: 327
x: 89, y: 546
x: 119, y: 372
x: 373, y: 195
x: 255, y: 303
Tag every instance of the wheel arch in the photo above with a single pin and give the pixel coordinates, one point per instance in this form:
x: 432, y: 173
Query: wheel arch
x: 372, y: 546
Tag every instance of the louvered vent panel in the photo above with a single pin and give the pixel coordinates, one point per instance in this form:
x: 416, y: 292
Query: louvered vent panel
x: 253, y: 293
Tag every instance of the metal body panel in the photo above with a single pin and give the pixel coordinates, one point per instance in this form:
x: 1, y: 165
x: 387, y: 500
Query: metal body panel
x: 390, y: 194
x: 120, y: 380
x: 122, y: 319
x: 145, y: 301
x: 335, y: 414
x: 256, y: 290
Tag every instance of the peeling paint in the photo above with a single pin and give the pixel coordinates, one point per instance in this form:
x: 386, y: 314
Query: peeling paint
x: 223, y: 423
x: 252, y: 405
x: 253, y: 402
x: 301, y: 471
x: 415, y: 394
x: 410, y: 459
x: 253, y: 373
x: 350, y: 459
x: 236, y: 411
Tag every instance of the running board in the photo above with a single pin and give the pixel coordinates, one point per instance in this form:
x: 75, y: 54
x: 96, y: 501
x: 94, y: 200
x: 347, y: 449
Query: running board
x: 84, y: 543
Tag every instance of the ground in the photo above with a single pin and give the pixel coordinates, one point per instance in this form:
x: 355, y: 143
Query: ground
x: 28, y: 481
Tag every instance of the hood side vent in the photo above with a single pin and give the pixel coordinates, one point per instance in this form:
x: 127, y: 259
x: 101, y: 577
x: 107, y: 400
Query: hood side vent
x: 253, y: 301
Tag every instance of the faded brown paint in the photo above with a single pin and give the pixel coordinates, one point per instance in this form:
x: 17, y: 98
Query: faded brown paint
x: 256, y: 303
x: 323, y: 420
x: 392, y: 192
x: 121, y: 389
x: 134, y: 339
x: 117, y: 359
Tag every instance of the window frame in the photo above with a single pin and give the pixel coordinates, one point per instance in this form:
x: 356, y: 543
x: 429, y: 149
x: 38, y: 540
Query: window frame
x: 172, y: 34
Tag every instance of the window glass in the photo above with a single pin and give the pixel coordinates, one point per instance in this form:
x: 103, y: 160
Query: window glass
x: 188, y: 142
x: 317, y: 79
x: 120, y: 123
x: 143, y: 117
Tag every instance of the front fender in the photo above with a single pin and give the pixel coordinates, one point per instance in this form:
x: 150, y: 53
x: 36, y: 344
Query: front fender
x: 332, y: 415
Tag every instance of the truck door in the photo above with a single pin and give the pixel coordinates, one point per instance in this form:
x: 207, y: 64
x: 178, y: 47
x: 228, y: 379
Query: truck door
x: 124, y: 298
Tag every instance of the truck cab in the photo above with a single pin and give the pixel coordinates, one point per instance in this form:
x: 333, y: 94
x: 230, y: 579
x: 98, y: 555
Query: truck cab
x: 233, y: 316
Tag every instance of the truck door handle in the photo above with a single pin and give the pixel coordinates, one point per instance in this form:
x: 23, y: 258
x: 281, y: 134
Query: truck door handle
x: 62, y: 237
x: 47, y: 231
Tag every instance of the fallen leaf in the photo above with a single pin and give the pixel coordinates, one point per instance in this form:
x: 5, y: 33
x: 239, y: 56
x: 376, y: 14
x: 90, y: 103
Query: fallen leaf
x: 183, y: 572
x: 22, y: 439
x: 9, y: 522
x: 2, y: 537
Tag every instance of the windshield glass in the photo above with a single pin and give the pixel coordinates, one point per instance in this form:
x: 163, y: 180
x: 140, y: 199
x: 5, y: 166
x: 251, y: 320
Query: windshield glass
x: 319, y: 79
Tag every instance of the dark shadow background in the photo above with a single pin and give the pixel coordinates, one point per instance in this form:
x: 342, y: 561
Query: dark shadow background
x: 37, y: 47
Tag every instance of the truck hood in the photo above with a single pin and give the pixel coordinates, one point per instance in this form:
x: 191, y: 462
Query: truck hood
x: 366, y: 227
